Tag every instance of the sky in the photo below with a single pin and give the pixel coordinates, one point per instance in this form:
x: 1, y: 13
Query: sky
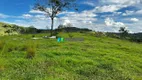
x: 98, y: 15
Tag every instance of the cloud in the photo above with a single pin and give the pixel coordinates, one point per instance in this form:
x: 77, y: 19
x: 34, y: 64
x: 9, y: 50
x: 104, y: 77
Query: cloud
x: 36, y: 12
x: 114, y: 5
x: 66, y: 22
x: 135, y: 27
x: 127, y: 13
x: 122, y: 2
x: 134, y: 13
x: 139, y: 12
x: 82, y: 19
x: 111, y: 23
x: 90, y: 3
x: 3, y: 15
x: 134, y: 19
x: 27, y: 16
x: 108, y: 8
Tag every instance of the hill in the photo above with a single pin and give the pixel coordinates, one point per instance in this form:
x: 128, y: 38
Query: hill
x: 12, y: 29
x: 8, y: 29
x: 95, y: 58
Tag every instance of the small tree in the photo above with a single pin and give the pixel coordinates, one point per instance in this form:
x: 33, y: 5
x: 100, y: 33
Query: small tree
x: 124, y: 32
x: 54, y: 7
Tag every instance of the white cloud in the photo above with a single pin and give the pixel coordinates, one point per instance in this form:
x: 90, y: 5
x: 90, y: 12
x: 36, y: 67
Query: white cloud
x: 27, y: 16
x: 127, y: 13
x: 111, y: 23
x: 134, y: 19
x: 122, y: 2
x: 114, y: 5
x: 90, y: 3
x: 41, y: 17
x: 84, y: 19
x: 79, y: 19
x: 3, y: 15
x: 66, y: 22
x: 139, y: 12
x: 36, y: 12
x: 108, y: 8
x: 135, y: 27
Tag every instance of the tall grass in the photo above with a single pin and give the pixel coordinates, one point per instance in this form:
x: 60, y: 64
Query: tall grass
x: 1, y: 44
x: 31, y: 49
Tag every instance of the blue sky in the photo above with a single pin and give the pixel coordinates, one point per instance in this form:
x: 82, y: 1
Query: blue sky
x: 99, y: 15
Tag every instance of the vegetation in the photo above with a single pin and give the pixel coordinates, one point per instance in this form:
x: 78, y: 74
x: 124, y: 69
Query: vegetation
x: 12, y: 29
x: 123, y: 32
x: 97, y: 57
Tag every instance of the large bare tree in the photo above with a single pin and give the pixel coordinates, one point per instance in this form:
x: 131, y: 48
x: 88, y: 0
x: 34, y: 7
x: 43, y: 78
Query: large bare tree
x: 54, y: 7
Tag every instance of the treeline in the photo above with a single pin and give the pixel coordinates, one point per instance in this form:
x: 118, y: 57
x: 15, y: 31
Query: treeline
x: 135, y: 37
x: 72, y: 29
x: 10, y: 28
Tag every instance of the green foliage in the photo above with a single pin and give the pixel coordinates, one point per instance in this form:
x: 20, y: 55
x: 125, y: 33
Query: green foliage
x: 70, y: 35
x: 31, y: 50
x: 99, y: 34
x: 124, y: 32
x: 2, y: 43
x: 30, y: 53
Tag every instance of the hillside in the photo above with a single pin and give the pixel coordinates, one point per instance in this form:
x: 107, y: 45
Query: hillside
x: 12, y: 29
x: 4, y: 27
x: 95, y: 58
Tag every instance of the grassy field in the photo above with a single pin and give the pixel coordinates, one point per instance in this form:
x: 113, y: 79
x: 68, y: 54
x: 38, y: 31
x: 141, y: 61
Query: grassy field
x: 95, y: 58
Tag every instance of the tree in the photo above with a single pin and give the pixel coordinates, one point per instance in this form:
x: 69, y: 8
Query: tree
x: 31, y: 29
x: 60, y: 26
x: 54, y: 7
x: 16, y: 28
x: 124, y: 32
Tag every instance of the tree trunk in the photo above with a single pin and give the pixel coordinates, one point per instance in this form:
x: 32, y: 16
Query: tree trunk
x: 52, y: 24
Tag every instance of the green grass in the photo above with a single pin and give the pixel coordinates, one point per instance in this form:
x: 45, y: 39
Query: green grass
x: 96, y: 58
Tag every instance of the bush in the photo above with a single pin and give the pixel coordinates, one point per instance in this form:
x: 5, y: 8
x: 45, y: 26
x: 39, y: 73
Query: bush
x: 31, y: 50
x: 2, y: 44
x: 70, y: 35
x: 100, y: 34
x: 30, y: 53
x: 1, y: 68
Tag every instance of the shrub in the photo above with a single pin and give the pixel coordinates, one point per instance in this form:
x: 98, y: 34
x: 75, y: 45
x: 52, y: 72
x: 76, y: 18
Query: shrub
x: 1, y: 68
x: 31, y: 50
x: 1, y: 44
x: 70, y: 35
x: 10, y: 49
x: 100, y: 34
x: 30, y: 53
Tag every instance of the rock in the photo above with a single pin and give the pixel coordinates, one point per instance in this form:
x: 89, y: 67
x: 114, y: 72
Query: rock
x: 46, y: 37
x: 53, y: 37
x: 35, y: 38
